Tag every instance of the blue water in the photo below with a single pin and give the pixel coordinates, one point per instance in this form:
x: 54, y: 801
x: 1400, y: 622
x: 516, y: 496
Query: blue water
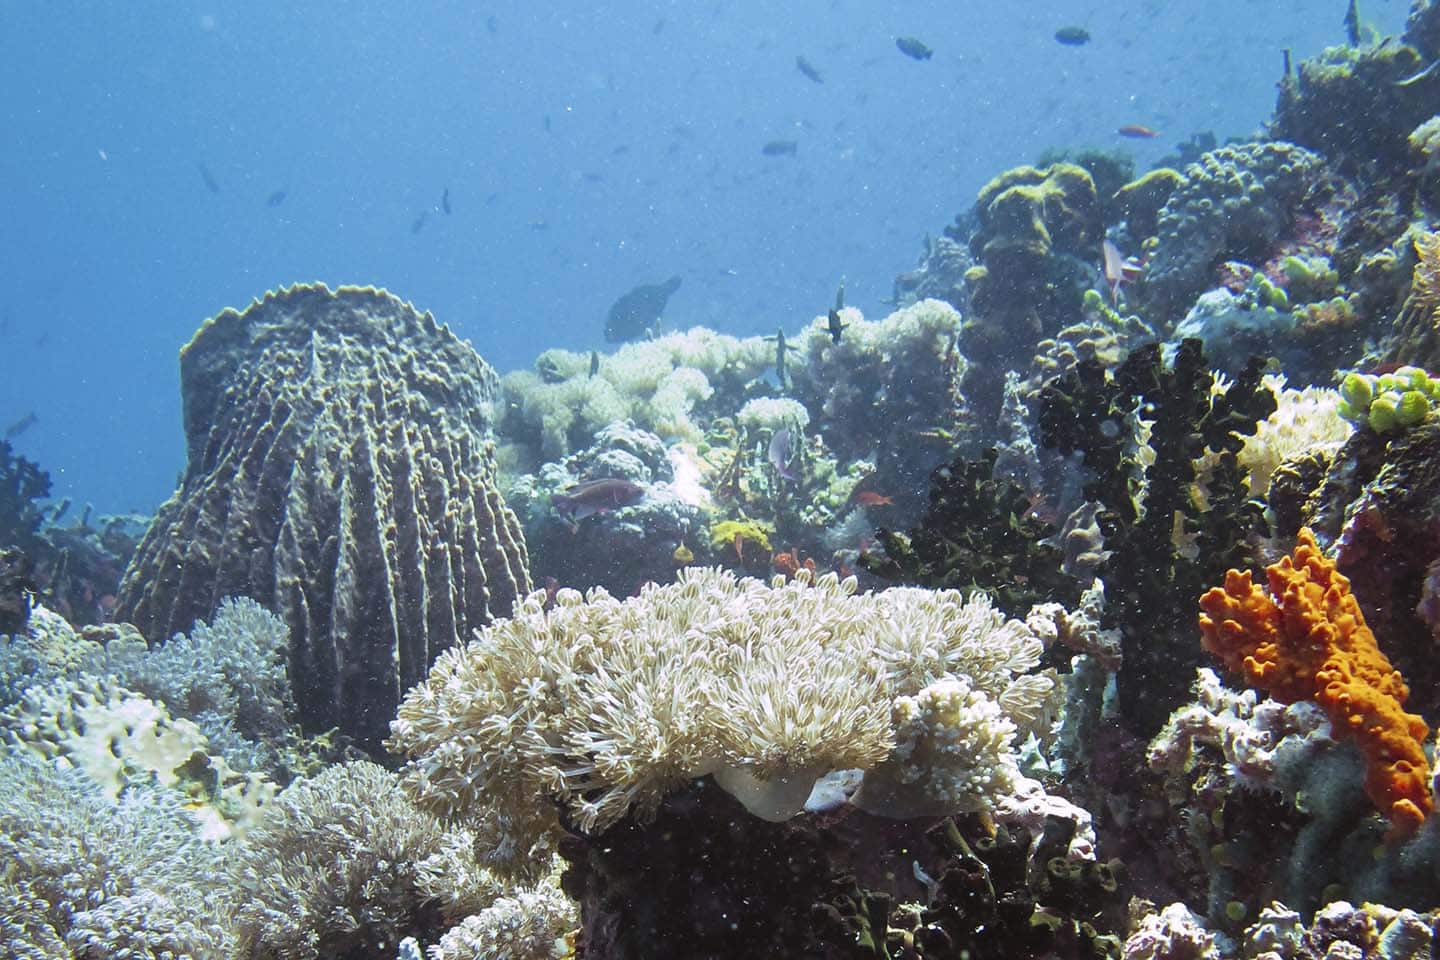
x: 114, y: 249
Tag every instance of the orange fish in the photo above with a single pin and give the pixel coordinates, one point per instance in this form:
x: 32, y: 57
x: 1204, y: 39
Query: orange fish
x: 869, y: 498
x: 1137, y: 132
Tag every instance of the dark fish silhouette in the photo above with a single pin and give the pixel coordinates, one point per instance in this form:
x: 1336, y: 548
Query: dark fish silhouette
x: 594, y: 363
x: 21, y: 425
x: 276, y: 198
x: 840, y: 295
x: 445, y: 201
x: 913, y: 48
x: 419, y: 223
x: 782, y: 349
x: 637, y: 313
x: 1072, y: 36
x: 834, y: 326
x: 210, y: 183
x: 780, y: 148
x: 808, y: 68
x: 595, y: 496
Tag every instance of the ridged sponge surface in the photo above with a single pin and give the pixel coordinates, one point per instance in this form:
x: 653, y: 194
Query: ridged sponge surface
x: 340, y: 472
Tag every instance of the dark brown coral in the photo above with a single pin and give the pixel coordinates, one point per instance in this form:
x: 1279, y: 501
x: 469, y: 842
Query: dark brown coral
x: 341, y: 472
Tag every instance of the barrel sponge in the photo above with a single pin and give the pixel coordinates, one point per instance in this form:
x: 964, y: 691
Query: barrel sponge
x: 341, y: 473
x: 1306, y: 639
x: 607, y: 706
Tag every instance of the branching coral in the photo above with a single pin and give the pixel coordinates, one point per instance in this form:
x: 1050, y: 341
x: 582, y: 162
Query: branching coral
x: 1307, y: 639
x: 608, y: 706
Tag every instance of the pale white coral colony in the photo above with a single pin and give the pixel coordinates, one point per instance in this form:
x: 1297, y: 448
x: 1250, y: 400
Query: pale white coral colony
x: 608, y: 705
x: 1304, y: 421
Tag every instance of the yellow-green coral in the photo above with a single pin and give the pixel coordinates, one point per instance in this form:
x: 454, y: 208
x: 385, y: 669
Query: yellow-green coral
x: 1390, y: 402
x: 725, y: 534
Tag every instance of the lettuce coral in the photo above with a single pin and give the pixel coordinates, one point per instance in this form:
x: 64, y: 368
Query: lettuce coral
x: 1307, y: 639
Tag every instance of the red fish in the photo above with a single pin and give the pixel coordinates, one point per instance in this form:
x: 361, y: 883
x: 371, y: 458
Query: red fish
x: 1138, y: 132
x: 869, y: 498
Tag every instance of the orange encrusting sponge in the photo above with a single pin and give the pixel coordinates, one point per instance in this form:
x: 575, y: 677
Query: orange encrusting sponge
x: 1314, y: 645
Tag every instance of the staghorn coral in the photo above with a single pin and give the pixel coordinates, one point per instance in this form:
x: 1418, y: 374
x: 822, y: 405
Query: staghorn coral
x: 1307, y: 639
x: 608, y: 706
x: 340, y: 472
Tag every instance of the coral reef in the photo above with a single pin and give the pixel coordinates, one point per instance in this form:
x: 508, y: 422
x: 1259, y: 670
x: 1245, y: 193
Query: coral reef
x: 646, y: 533
x: 340, y: 473
x: 86, y: 877
x: 22, y: 484
x: 1038, y: 238
x: 1234, y: 203
x: 1417, y: 328
x: 662, y: 385
x: 16, y: 590
x: 336, y: 867
x: 607, y: 707
x: 1350, y: 104
x: 1165, y: 539
x: 874, y: 395
x: 1307, y: 639
x: 977, y: 533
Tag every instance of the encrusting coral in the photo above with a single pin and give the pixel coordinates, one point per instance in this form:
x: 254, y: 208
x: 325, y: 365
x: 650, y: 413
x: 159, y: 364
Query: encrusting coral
x: 1307, y: 639
x: 340, y: 472
x: 607, y: 706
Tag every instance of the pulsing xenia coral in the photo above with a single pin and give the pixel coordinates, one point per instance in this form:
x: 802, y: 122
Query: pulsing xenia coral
x: 607, y: 706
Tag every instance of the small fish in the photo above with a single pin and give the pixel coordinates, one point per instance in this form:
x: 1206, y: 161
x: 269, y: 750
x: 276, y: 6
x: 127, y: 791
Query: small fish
x: 547, y: 123
x: 596, y: 496
x: 869, y: 498
x: 913, y: 48
x: 621, y: 150
x: 683, y: 555
x: 1119, y: 269
x: 780, y: 148
x: 419, y: 223
x: 1072, y: 36
x: 445, y: 201
x: 21, y: 425
x: 276, y: 198
x: 594, y: 363
x: 781, y: 349
x: 834, y: 326
x: 781, y: 452
x: 658, y: 28
x: 808, y: 68
x: 1136, y: 132
x: 210, y: 182
x: 492, y: 25
x: 840, y: 295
